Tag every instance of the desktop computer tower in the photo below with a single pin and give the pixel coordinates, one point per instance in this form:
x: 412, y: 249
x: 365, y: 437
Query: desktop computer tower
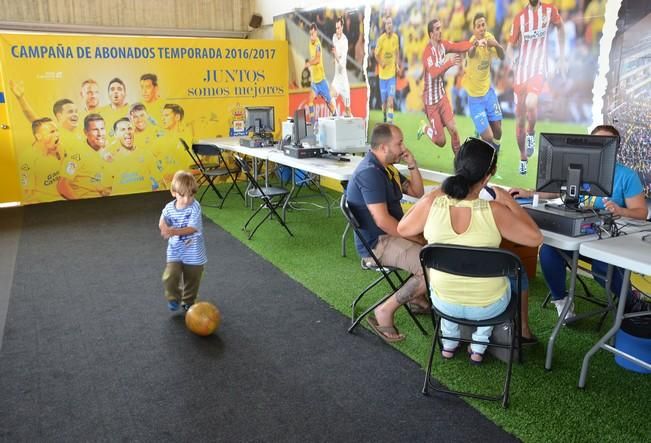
x: 564, y: 221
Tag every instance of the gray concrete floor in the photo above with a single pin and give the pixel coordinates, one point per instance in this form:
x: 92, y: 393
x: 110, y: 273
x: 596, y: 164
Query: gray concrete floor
x: 10, y: 229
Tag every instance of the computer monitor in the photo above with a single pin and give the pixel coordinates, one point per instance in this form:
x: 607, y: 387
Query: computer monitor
x: 579, y: 165
x: 299, y: 131
x: 260, y: 120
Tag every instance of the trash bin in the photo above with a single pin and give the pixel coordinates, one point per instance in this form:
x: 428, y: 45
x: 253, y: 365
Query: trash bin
x: 634, y: 338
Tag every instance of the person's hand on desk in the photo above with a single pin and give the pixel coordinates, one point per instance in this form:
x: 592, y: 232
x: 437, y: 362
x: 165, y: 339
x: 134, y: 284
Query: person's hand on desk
x: 520, y: 193
x: 612, y: 207
x: 635, y: 207
x: 505, y: 197
x: 528, y: 193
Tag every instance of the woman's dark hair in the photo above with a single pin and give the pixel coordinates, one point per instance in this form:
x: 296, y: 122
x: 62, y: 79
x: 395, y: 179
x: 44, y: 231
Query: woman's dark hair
x: 475, y: 159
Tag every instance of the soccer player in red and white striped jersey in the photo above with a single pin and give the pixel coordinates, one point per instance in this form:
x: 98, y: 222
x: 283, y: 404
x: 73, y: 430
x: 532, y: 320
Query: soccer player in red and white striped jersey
x: 529, y: 32
x: 439, y: 56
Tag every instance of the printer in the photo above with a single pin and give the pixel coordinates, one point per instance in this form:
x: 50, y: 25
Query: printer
x: 342, y: 134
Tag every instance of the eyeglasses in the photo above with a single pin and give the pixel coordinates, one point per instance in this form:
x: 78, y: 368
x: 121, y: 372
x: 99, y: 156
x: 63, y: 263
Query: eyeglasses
x: 475, y: 139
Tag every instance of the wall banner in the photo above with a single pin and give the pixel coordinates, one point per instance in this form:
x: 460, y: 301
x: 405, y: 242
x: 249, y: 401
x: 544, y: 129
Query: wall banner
x: 99, y: 115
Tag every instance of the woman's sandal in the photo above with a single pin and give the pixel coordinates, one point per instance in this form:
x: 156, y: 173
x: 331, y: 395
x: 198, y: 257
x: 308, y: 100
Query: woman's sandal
x: 478, y: 357
x: 448, y: 354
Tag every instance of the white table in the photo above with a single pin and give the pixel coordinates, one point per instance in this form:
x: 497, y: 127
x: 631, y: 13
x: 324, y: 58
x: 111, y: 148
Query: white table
x: 338, y: 170
x: 326, y: 167
x: 632, y: 254
x: 331, y: 167
x: 573, y: 244
x: 565, y: 242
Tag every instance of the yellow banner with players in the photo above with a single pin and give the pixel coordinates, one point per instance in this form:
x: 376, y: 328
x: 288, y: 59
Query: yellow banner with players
x: 95, y: 116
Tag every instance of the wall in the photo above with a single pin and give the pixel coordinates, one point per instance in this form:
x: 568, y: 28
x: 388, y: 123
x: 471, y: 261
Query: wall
x: 214, y: 18
x: 196, y: 15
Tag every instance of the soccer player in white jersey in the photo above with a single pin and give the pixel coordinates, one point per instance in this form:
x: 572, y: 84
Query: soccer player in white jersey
x: 530, y: 29
x: 340, y: 84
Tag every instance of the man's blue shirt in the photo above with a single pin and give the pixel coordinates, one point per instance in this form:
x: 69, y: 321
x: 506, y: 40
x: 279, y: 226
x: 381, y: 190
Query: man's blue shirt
x: 371, y: 183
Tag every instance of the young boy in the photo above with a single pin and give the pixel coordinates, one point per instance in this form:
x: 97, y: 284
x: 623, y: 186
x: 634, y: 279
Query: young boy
x: 180, y: 223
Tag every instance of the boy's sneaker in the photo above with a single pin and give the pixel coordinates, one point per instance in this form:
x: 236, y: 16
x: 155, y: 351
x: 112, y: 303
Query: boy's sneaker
x: 186, y: 306
x: 560, y: 304
x: 530, y: 144
x: 421, y: 129
x: 173, y: 305
x: 523, y: 167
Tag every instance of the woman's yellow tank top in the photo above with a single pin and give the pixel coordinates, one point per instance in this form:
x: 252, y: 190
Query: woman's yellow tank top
x: 482, y: 231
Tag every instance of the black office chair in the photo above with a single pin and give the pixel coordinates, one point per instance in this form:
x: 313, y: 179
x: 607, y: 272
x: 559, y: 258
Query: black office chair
x: 389, y: 274
x: 270, y: 197
x: 210, y: 172
x: 475, y: 262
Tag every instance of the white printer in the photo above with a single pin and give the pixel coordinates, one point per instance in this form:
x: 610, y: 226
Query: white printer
x: 342, y: 134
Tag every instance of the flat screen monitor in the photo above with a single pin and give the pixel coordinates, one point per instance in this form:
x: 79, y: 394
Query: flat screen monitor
x: 300, y: 127
x: 260, y: 120
x: 578, y: 165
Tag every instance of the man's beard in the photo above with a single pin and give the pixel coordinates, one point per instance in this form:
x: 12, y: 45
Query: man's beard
x: 534, y: 3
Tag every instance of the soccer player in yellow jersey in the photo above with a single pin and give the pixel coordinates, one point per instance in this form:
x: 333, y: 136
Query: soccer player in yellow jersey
x: 387, y: 55
x: 172, y: 121
x: 150, y: 96
x: 319, y: 82
x: 118, y: 107
x: 90, y: 95
x: 67, y: 117
x: 65, y: 111
x: 83, y: 171
x: 39, y: 166
x: 133, y: 168
x: 482, y: 101
x: 168, y: 149
x: 146, y: 132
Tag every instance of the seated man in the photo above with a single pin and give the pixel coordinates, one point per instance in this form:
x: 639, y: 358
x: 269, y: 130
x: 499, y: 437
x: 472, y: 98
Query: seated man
x: 374, y: 195
x: 627, y: 201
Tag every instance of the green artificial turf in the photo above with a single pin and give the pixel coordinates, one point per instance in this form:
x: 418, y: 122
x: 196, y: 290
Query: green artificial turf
x: 545, y: 406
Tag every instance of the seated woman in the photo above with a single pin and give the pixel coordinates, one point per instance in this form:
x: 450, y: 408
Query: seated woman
x: 627, y: 201
x: 455, y: 214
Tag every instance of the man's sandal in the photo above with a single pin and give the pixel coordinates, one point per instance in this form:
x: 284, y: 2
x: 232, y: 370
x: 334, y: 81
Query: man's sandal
x: 389, y: 334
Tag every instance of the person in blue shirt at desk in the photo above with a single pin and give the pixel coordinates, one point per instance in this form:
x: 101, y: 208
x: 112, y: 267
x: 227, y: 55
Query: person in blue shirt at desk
x: 374, y: 195
x: 627, y: 201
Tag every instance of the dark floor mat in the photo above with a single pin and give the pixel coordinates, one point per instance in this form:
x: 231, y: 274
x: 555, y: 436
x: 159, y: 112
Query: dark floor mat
x: 91, y: 353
